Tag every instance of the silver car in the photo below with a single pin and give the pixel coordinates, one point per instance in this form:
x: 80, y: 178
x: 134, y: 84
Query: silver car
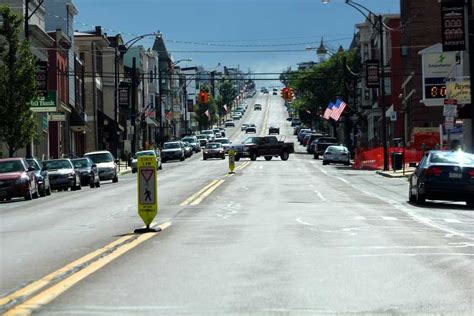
x: 146, y: 153
x: 107, y: 165
x: 337, y: 154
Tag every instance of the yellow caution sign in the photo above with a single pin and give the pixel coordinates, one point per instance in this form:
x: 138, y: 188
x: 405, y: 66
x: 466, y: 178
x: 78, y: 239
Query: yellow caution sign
x: 231, y: 160
x: 147, y: 189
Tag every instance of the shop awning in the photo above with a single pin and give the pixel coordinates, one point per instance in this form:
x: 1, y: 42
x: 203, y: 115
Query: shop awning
x: 77, y: 122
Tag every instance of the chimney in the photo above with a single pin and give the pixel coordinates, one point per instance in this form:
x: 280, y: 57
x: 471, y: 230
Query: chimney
x: 98, y: 30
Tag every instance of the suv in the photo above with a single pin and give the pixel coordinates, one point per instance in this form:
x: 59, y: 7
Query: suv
x: 106, y: 164
x: 321, y: 144
x: 229, y: 124
x: 257, y: 107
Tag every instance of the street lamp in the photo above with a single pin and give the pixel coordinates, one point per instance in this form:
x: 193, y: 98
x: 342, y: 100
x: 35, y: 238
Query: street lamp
x: 380, y: 29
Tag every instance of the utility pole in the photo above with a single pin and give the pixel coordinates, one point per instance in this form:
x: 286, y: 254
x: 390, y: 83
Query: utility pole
x: 347, y: 130
x: 116, y: 134
x: 471, y: 72
x: 29, y: 146
x: 143, y: 124
x: 185, y: 96
x: 133, y: 107
x: 382, y: 94
x: 160, y: 104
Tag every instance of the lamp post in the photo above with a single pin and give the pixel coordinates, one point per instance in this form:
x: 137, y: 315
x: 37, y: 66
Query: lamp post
x: 380, y: 29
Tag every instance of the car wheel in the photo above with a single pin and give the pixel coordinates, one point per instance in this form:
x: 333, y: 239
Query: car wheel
x: 411, y: 197
x: 470, y: 203
x: 237, y: 158
x: 420, y: 198
x: 92, y: 185
x: 97, y: 184
x: 42, y: 192
x: 268, y: 158
x: 325, y: 162
x: 134, y: 170
x: 160, y: 167
x: 316, y: 156
x: 347, y: 163
x: 115, y: 179
x: 204, y: 158
x: 253, y: 156
x: 28, y: 195
x: 223, y: 157
x: 284, y: 156
x: 181, y: 159
x: 48, y: 191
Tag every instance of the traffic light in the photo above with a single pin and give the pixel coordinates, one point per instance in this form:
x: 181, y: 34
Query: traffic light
x: 290, y: 94
x: 286, y: 93
x: 203, y: 97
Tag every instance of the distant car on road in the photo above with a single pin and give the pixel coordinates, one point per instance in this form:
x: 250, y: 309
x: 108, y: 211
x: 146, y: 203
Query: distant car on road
x: 213, y: 150
x: 251, y: 129
x: 172, y: 151
x: 88, y: 171
x: 63, y: 175
x: 337, y: 154
x: 106, y: 163
x: 42, y: 176
x: 273, y: 130
x: 151, y: 152
x: 443, y: 175
x: 244, y: 126
x: 295, y: 121
x: 266, y: 146
x: 17, y: 179
x: 188, y: 150
x: 257, y: 107
x: 193, y: 141
x: 209, y: 133
x: 321, y: 144
x: 311, y: 144
x: 229, y: 124
x: 225, y: 143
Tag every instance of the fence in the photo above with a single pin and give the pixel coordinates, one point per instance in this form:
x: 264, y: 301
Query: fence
x: 372, y: 159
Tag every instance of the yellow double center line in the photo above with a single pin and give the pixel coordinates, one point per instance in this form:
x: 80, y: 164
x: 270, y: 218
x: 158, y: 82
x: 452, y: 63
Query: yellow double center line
x: 199, y: 196
x: 243, y: 165
x: 72, y: 273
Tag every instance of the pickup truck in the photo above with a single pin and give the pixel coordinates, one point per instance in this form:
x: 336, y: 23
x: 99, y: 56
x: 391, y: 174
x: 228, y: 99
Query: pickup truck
x: 266, y: 146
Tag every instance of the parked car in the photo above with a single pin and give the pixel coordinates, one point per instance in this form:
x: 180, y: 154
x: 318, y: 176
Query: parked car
x: 225, y: 143
x: 252, y: 128
x: 306, y: 138
x: 302, y: 133
x: 17, y: 179
x: 188, y: 150
x: 42, y: 176
x: 312, y: 138
x: 88, y: 171
x: 443, y: 175
x: 244, y: 126
x: 322, y: 144
x: 209, y: 133
x: 213, y: 150
x: 229, y: 123
x: 295, y: 121
x: 106, y: 163
x: 172, y: 151
x: 337, y: 154
x: 193, y: 141
x: 154, y: 153
x: 273, y: 130
x: 222, y: 129
x: 63, y: 175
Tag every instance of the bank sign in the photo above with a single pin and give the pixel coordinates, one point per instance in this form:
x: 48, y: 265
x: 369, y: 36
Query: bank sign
x: 44, y: 103
x: 438, y: 67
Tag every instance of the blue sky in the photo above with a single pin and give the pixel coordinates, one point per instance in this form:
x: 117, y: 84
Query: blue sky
x: 287, y: 25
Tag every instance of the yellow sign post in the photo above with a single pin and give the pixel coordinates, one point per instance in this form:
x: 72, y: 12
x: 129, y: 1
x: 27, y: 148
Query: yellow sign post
x: 231, y: 160
x: 147, y: 191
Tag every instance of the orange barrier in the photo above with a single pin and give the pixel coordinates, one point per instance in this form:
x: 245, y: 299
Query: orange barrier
x: 372, y: 159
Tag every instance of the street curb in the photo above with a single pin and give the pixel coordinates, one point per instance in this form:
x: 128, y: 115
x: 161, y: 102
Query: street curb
x: 125, y: 172
x: 388, y: 175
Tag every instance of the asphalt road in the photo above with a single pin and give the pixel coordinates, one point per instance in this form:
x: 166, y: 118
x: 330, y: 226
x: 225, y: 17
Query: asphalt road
x: 278, y: 237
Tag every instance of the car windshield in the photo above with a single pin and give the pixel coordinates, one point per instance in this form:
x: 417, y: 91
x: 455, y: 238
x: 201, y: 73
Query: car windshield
x: 33, y: 163
x: 100, y: 157
x: 11, y: 166
x: 171, y: 146
x: 145, y: 153
x: 213, y: 146
x: 327, y: 140
x: 81, y: 163
x: 58, y: 164
x: 456, y: 158
x: 223, y: 141
x: 336, y: 149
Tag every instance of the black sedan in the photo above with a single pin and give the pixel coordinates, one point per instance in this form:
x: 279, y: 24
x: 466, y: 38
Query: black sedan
x: 88, y: 170
x: 443, y: 175
x: 42, y: 176
x: 213, y: 150
x: 274, y: 130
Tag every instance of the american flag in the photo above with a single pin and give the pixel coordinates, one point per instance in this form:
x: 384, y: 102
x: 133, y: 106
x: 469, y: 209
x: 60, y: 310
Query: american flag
x: 207, y: 114
x: 308, y: 111
x: 225, y: 107
x: 337, y: 112
x: 327, y: 113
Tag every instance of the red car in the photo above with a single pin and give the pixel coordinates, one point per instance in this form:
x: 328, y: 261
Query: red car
x: 17, y: 179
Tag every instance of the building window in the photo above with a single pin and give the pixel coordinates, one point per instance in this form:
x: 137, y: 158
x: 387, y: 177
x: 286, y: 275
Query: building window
x: 388, y: 86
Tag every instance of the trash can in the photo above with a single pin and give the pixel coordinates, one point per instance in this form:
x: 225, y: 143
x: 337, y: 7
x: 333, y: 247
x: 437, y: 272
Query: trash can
x: 397, y: 161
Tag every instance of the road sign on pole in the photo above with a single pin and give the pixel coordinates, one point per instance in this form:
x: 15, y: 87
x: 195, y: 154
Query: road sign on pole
x: 231, y: 160
x: 147, y: 189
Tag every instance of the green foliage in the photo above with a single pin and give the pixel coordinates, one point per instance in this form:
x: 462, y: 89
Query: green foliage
x: 17, y: 84
x: 317, y: 86
x: 227, y: 94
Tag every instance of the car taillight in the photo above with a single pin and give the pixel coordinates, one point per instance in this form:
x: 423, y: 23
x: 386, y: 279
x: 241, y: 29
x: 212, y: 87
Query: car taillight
x: 434, y: 171
x: 471, y: 173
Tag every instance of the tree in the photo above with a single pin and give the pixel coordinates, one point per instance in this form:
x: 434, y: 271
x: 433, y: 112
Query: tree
x: 17, y: 85
x: 227, y: 94
x: 203, y: 120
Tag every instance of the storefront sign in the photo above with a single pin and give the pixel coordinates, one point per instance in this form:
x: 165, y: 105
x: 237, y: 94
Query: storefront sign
x: 44, y: 103
x: 372, y: 73
x: 124, y: 96
x: 460, y: 91
x: 42, y: 77
x: 57, y: 117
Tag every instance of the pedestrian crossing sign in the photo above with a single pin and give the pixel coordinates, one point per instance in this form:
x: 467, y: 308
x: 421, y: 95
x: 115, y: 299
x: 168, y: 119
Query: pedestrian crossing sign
x: 147, y: 189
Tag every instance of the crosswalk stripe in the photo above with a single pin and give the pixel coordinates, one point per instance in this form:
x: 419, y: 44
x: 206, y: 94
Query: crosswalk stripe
x: 360, y: 217
x: 389, y: 218
x: 452, y: 220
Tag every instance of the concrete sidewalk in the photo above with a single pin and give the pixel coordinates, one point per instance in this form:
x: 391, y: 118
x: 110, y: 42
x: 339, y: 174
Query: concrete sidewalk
x: 124, y: 168
x: 396, y: 174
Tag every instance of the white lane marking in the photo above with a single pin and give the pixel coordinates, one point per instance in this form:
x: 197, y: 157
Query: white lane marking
x: 359, y: 217
x: 320, y: 195
x: 323, y: 171
x: 452, y: 220
x: 413, y: 254
x: 343, y: 180
x: 299, y: 220
x: 389, y: 218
